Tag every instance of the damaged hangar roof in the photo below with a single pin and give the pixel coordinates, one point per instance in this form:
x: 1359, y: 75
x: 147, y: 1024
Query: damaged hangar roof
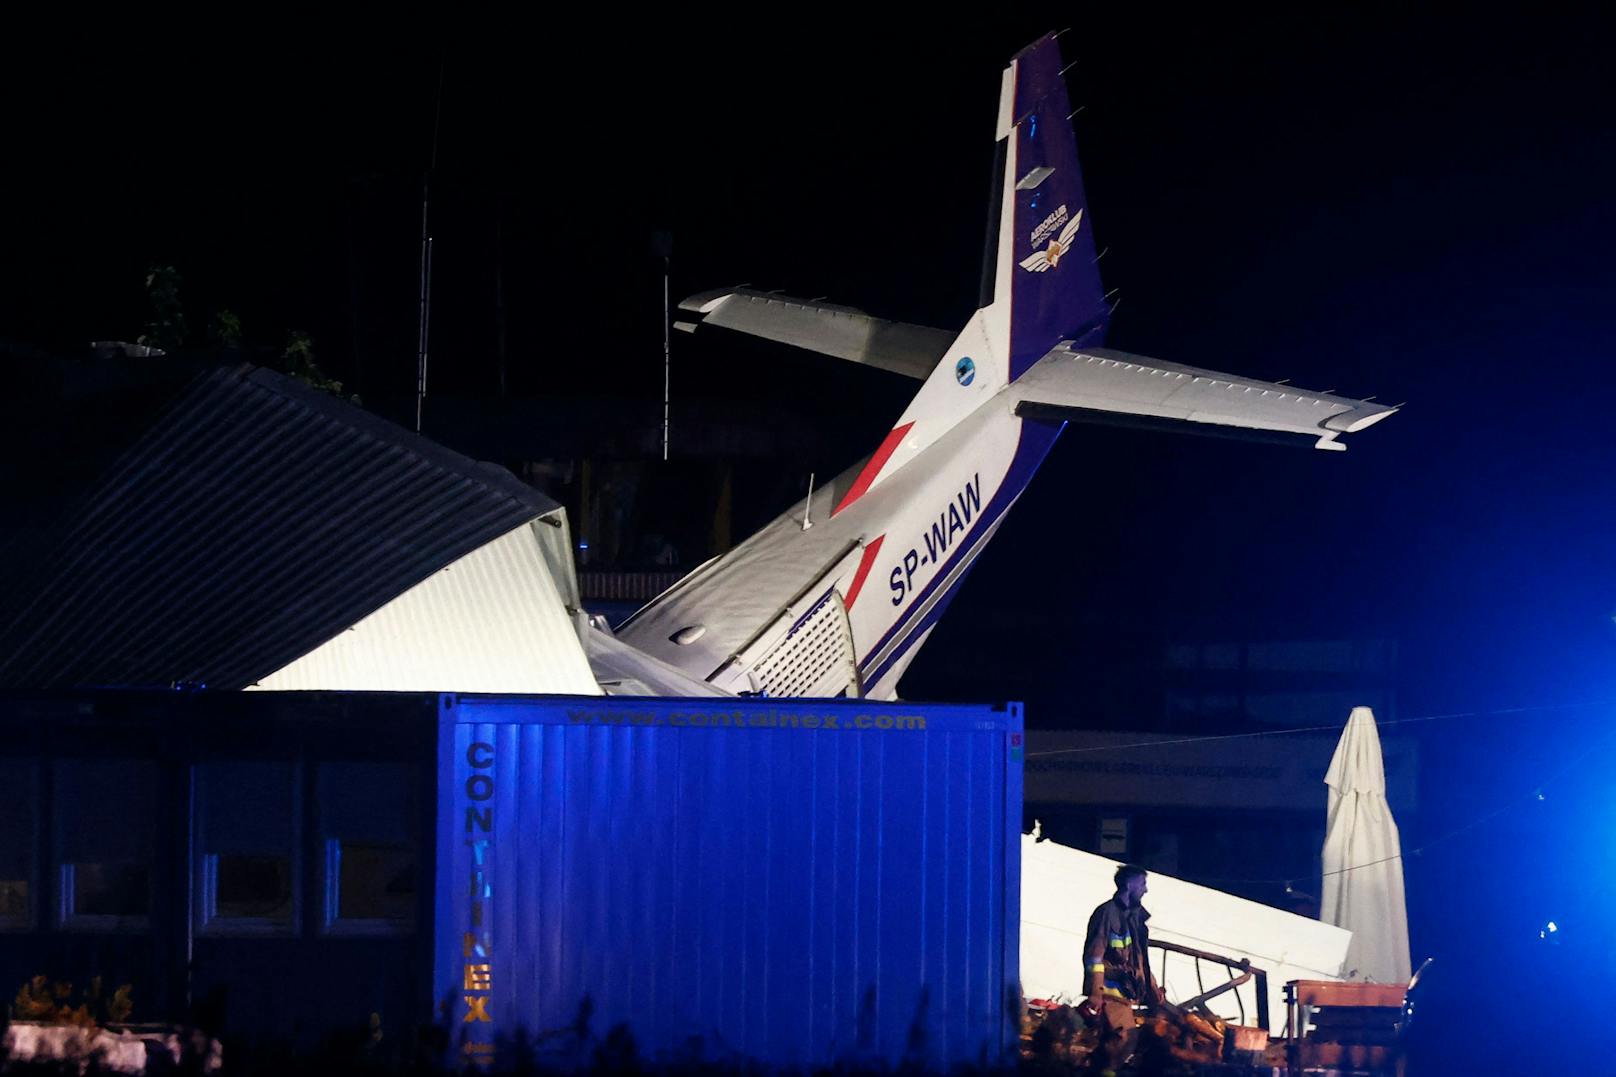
x: 252, y: 522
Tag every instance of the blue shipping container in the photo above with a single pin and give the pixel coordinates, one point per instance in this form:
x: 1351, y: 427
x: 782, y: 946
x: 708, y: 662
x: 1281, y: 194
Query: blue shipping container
x: 795, y: 882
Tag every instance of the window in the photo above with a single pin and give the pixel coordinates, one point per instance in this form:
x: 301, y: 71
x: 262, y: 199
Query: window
x: 106, y: 818
x: 247, y: 869
x: 1114, y: 837
x: 369, y: 827
x: 19, y: 830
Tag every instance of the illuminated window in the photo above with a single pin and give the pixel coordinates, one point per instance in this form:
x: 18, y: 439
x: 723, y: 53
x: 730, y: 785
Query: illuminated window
x: 106, y: 819
x: 19, y: 830
x: 246, y: 843
x: 370, y: 830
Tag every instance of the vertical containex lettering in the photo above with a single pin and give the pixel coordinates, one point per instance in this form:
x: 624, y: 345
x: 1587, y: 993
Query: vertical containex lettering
x: 477, y: 944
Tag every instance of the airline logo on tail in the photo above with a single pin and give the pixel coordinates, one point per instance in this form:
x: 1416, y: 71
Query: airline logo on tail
x: 1050, y: 257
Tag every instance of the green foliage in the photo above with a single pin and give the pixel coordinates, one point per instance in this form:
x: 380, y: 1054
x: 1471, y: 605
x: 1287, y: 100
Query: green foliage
x: 165, y: 324
x: 298, y: 360
x: 225, y: 332
x: 166, y: 329
x: 299, y: 354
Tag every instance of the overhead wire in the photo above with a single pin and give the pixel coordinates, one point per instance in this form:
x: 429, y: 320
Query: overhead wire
x: 1161, y: 743
x: 1535, y: 793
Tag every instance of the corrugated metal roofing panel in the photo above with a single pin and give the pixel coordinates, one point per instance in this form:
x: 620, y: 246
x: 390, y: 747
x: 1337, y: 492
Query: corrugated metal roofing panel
x: 794, y: 882
x: 254, y: 521
x: 493, y: 621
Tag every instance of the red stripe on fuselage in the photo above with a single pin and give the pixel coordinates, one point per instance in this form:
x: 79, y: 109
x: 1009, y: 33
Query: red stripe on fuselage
x: 889, y: 445
x: 865, y: 564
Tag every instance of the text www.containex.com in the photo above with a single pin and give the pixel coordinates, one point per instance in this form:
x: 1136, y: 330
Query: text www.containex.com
x: 758, y: 719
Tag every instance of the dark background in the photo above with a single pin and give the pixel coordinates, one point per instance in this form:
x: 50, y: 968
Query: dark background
x: 1411, y: 205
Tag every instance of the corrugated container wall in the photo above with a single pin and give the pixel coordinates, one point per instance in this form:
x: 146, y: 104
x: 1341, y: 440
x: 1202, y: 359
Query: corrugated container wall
x: 795, y: 882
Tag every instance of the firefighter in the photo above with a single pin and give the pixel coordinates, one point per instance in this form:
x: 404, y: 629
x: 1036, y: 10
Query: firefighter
x: 1117, y: 969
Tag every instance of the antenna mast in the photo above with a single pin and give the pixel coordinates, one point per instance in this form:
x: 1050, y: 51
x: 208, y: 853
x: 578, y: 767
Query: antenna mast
x: 426, y: 259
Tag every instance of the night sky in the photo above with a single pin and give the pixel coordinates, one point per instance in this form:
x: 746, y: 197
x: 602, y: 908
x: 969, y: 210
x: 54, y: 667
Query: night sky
x: 1411, y: 205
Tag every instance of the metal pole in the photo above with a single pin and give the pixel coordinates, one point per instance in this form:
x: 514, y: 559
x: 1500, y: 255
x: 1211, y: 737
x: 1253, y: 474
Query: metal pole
x: 667, y: 352
x: 425, y: 310
x: 499, y: 293
x: 426, y: 260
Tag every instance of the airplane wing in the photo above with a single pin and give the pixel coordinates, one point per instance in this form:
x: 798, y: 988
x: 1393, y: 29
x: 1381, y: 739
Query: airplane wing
x: 1106, y: 386
x: 621, y: 669
x: 840, y: 332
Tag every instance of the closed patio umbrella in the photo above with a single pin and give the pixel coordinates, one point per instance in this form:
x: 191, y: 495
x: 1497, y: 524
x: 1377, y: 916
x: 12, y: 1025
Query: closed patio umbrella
x: 1363, y: 862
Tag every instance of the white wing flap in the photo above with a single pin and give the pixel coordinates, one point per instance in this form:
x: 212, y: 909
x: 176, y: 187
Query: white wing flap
x: 840, y: 332
x: 1102, y: 380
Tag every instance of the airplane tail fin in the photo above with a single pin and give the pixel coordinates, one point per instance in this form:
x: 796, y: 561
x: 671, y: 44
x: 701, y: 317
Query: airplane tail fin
x: 1041, y: 282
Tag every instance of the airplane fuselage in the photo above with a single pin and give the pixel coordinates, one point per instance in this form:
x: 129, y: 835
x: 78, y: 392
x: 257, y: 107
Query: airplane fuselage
x: 891, y: 557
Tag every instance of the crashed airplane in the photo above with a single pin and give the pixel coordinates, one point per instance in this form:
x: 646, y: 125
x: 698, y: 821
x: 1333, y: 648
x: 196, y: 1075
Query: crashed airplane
x: 837, y: 595
x: 397, y: 565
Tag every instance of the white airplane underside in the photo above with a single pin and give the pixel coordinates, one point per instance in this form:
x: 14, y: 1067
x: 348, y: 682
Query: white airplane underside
x: 836, y: 596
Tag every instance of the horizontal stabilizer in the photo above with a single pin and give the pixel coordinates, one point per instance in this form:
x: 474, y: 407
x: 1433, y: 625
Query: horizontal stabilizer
x: 1099, y: 384
x: 840, y: 332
